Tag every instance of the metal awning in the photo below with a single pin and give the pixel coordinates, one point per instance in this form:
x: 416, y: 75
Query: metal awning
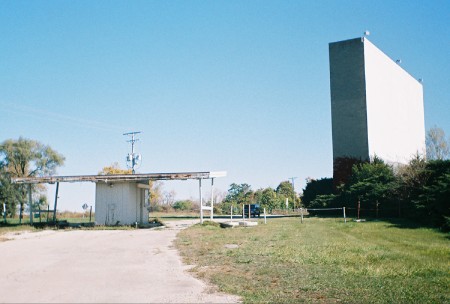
x: 144, y: 177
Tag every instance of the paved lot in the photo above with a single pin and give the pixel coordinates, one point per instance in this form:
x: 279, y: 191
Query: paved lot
x: 100, y: 266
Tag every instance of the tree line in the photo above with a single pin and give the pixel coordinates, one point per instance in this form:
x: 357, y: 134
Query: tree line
x: 268, y: 198
x: 419, y: 190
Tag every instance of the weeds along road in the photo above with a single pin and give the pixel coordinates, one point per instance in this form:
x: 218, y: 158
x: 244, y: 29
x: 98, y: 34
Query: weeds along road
x: 100, y: 266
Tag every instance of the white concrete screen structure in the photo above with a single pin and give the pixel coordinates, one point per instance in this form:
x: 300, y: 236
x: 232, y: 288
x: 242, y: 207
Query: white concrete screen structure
x: 376, y: 106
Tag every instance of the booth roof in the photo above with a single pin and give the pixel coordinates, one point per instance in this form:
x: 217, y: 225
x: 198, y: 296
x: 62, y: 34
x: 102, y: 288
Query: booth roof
x: 144, y: 177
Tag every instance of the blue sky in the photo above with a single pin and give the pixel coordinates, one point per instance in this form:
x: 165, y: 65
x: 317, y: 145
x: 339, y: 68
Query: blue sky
x: 240, y: 86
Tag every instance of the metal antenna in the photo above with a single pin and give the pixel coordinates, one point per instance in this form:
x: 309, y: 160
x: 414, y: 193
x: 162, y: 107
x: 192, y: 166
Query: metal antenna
x: 133, y: 158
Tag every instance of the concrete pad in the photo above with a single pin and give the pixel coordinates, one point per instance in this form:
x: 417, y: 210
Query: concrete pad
x: 248, y: 224
x: 100, y: 266
x: 229, y: 224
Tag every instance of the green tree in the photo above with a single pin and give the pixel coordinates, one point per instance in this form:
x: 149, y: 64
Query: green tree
x: 371, y: 183
x: 323, y: 201
x: 432, y: 203
x: 8, y: 193
x: 237, y: 195
x: 24, y: 158
x: 286, y: 190
x: 315, y: 189
x: 268, y: 199
x: 438, y: 147
x: 411, y: 180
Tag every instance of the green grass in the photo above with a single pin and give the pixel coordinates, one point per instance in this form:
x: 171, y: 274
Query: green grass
x: 15, y: 229
x: 322, y: 260
x: 26, y: 219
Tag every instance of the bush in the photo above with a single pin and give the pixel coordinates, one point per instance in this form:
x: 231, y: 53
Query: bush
x: 432, y: 203
x: 185, y: 205
x: 166, y: 208
x: 314, y: 192
x: 419, y: 191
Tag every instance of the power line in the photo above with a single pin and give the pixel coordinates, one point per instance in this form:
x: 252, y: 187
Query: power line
x: 292, y: 179
x: 293, y: 188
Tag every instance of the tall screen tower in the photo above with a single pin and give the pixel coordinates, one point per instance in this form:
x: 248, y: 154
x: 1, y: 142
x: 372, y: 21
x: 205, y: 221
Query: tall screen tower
x: 376, y: 106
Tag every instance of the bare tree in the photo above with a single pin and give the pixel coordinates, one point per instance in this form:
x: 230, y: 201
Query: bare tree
x: 438, y: 147
x: 169, y: 197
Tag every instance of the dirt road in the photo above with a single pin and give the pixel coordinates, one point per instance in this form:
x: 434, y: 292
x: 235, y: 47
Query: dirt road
x: 99, y: 266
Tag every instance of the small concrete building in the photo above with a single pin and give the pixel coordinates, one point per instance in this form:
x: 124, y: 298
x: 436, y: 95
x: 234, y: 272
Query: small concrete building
x: 121, y: 203
x: 376, y: 106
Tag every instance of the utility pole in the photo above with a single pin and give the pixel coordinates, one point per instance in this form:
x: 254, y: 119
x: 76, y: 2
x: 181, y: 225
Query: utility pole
x: 133, y: 158
x: 293, y: 187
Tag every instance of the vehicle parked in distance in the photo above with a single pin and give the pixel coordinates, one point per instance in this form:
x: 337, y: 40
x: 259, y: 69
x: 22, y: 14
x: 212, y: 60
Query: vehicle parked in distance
x: 255, y: 210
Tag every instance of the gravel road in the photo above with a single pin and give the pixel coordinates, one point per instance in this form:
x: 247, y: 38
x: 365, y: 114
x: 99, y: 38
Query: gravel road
x: 100, y: 266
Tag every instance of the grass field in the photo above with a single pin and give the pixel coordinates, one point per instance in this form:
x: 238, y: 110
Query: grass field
x: 322, y: 261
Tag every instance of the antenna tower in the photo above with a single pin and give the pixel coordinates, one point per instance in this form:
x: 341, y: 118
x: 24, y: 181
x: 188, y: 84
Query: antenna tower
x: 133, y: 159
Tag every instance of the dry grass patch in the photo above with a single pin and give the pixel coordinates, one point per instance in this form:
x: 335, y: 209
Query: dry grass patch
x: 322, y: 260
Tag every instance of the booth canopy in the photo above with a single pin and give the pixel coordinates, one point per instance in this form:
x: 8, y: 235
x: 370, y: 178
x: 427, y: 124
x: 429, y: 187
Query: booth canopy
x: 145, y: 177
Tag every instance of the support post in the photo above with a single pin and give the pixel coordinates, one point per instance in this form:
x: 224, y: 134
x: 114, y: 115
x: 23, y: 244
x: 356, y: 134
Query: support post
x: 4, y: 212
x: 231, y: 212
x: 265, y: 220
x: 56, y: 203
x: 30, y: 202
x: 141, y: 206
x: 90, y: 214
x: 201, y: 200
x: 359, y: 206
x: 243, y: 212
x: 48, y: 212
x: 212, y: 199
x: 301, y: 215
x: 345, y: 219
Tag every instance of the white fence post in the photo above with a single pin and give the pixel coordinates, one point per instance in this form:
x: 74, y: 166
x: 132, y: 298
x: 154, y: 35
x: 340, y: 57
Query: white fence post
x: 201, y: 199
